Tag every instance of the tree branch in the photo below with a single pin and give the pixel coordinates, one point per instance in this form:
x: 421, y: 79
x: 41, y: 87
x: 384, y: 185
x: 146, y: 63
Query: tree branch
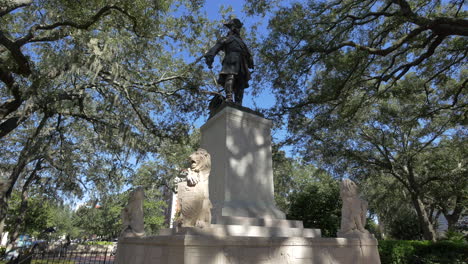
x: 13, y: 5
x: 18, y: 56
x: 375, y: 15
x: 107, y: 77
x: 403, y: 69
x: 99, y: 14
x: 13, y: 104
x: 30, y: 147
x: 32, y: 175
x: 380, y: 52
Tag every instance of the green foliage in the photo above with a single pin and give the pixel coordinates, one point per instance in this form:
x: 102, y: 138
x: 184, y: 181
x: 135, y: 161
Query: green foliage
x: 31, y: 219
x: 329, y: 50
x: 403, y: 224
x: 373, y: 89
x: 62, y: 221
x: 396, y: 145
x: 455, y: 236
x: 101, y: 218
x: 153, y: 212
x: 424, y: 252
x: 89, y: 221
x: 313, y: 196
x: 305, y: 193
x: 171, y: 159
x: 90, y: 88
x: 35, y: 213
x: 285, y: 177
x: 318, y: 205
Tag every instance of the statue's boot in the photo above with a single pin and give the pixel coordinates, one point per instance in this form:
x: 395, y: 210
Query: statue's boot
x: 238, y: 95
x: 228, y: 87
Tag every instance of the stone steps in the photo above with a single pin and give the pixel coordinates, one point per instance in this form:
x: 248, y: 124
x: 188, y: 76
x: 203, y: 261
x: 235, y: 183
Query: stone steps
x: 243, y: 231
x: 272, y: 222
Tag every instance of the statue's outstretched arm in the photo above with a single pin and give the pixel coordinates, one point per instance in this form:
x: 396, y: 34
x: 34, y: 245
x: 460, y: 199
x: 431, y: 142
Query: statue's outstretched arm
x: 209, y: 56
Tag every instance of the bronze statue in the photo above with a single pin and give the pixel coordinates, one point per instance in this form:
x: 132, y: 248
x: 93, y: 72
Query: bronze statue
x: 235, y: 75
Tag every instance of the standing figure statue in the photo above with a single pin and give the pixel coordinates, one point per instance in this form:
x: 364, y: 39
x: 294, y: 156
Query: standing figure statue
x: 237, y: 61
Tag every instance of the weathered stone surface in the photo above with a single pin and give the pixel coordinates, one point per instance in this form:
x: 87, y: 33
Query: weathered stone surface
x: 194, y: 205
x: 241, y: 181
x: 249, y: 221
x: 353, y: 211
x: 132, y: 215
x: 243, y: 231
x: 182, y: 249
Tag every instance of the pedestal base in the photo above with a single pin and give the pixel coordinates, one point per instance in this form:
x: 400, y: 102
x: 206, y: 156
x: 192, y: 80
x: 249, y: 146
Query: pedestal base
x: 202, y: 249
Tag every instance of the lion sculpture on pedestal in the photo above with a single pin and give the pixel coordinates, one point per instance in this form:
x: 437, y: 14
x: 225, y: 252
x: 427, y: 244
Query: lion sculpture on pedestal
x: 132, y: 215
x: 193, y: 203
x: 353, y: 211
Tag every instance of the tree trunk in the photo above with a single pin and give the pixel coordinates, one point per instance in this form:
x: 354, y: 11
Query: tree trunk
x: 2, y: 222
x: 452, y: 219
x: 454, y: 215
x: 31, y: 147
x: 3, y: 209
x: 424, y: 222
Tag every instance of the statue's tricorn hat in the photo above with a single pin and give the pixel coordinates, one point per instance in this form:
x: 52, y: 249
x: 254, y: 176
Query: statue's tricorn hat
x: 234, y: 23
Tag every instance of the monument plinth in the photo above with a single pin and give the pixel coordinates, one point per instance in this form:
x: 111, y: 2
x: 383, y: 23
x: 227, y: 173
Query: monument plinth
x: 241, y: 179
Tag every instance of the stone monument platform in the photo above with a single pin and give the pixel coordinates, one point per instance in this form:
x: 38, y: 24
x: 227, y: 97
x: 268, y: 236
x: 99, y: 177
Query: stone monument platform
x: 202, y: 249
x: 247, y: 227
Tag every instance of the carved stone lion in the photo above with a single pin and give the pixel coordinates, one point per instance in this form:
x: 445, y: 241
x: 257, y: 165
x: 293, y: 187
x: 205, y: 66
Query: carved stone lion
x: 353, y: 212
x: 193, y: 203
x: 132, y: 215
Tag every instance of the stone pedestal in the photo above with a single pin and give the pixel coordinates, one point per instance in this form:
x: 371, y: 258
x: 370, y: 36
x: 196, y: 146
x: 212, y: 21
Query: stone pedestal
x: 246, y: 228
x: 241, y: 178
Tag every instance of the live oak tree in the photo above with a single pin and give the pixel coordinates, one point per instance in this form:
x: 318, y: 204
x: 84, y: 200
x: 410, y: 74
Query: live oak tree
x: 344, y: 76
x: 88, y: 86
x: 399, y: 136
x: 387, y: 38
x: 447, y: 165
x: 88, y: 219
